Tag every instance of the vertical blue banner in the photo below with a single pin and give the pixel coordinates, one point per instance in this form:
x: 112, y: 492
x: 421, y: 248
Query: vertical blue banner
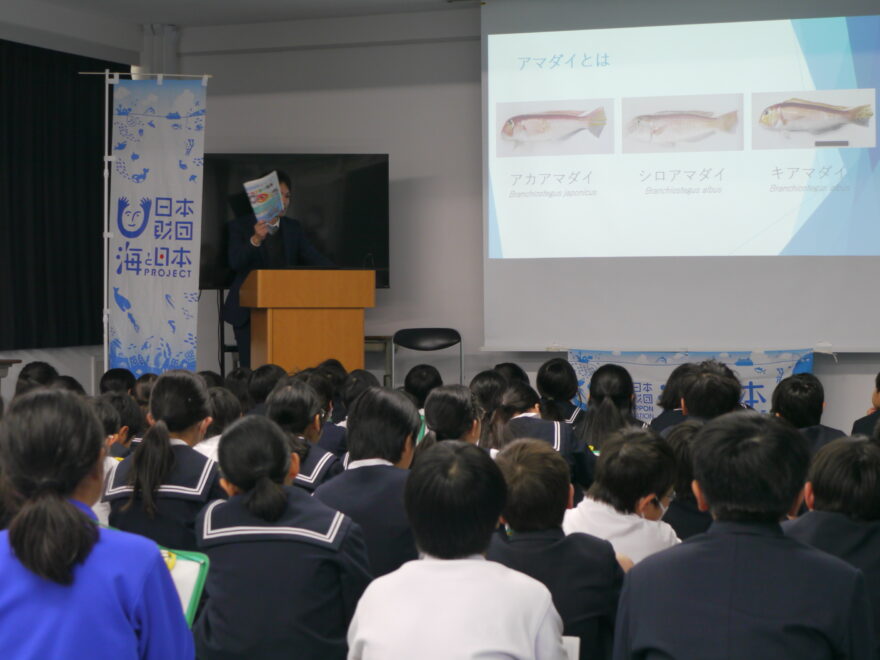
x: 758, y: 371
x: 155, y: 223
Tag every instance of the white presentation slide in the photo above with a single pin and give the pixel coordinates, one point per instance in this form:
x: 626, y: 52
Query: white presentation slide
x: 728, y: 139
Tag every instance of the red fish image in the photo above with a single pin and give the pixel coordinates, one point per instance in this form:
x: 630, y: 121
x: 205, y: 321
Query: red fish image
x: 812, y: 117
x: 553, y: 125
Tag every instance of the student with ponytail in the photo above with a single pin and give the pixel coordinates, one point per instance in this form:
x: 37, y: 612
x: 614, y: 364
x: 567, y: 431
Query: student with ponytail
x: 71, y: 588
x: 296, y: 407
x: 558, y: 386
x: 451, y: 413
x: 488, y: 387
x: 286, y: 570
x: 158, y: 490
x: 610, y: 405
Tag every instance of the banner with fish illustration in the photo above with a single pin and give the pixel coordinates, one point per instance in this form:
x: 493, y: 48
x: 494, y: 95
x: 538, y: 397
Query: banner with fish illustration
x: 155, y: 223
x: 759, y: 372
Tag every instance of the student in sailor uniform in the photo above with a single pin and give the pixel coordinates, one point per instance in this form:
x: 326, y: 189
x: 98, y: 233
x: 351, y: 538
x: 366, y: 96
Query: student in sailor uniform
x: 844, y: 510
x: 558, y: 386
x: 673, y: 392
x: 381, y: 427
x: 332, y: 437
x: 419, y: 382
x: 286, y: 570
x: 72, y: 589
x: 518, y: 416
x: 581, y: 571
x: 225, y: 409
x: 635, y: 475
x: 159, y: 489
x: 488, y: 386
x: 296, y: 408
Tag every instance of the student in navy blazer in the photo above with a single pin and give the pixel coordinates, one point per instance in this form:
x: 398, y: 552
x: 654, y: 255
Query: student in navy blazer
x: 800, y: 400
x: 381, y: 427
x: 580, y: 570
x: 844, y: 510
x: 159, y: 489
x: 296, y: 407
x: 744, y: 589
x: 255, y: 245
x: 286, y: 570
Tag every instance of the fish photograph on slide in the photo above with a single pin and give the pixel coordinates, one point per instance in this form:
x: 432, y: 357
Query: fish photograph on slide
x: 667, y: 124
x: 554, y: 128
x: 837, y: 118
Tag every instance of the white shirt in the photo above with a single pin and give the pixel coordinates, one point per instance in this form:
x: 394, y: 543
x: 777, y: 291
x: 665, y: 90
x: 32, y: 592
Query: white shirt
x: 367, y: 462
x: 102, y: 509
x: 629, y: 533
x: 437, y: 609
x: 209, y: 447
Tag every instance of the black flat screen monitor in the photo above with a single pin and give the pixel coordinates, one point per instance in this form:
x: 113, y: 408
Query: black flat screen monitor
x: 341, y: 201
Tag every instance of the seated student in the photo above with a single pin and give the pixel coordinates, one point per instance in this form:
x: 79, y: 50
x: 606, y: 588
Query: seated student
x: 132, y: 422
x: 451, y: 413
x: 117, y: 380
x: 867, y: 424
x: 744, y: 589
x: 71, y: 588
x: 333, y: 370
x: 683, y: 514
x: 262, y: 381
x: 488, y: 387
x: 518, y: 416
x: 635, y: 475
x: 610, y: 406
x: 211, y: 378
x: 286, y: 570
x: 143, y: 386
x: 712, y: 392
x: 558, y: 386
x: 419, y: 382
x: 108, y: 417
x: 68, y: 383
x: 800, y: 400
x: 844, y: 510
x: 237, y: 382
x: 356, y: 383
x: 581, y: 571
x: 453, y: 603
x: 512, y: 372
x: 381, y: 428
x: 34, y: 375
x: 671, y: 396
x: 331, y: 437
x: 296, y: 408
x: 225, y: 409
x: 159, y: 489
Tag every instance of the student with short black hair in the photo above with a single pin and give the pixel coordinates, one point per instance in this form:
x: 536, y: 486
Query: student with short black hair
x: 671, y: 395
x: 419, y: 382
x: 110, y: 422
x: 488, y: 386
x: 117, y: 379
x: 356, y: 383
x: 382, y: 425
x: 334, y: 371
x: 478, y: 608
x: 71, y: 588
x: 260, y: 385
x: 68, y: 383
x: 37, y: 372
x: 511, y: 372
x: 800, y: 400
x: 866, y: 425
x: 225, y: 409
x: 451, y: 413
x: 296, y: 407
x: 143, y: 386
x: 711, y: 393
x: 744, y: 589
x: 610, y: 405
x: 159, y: 489
x: 683, y: 513
x: 286, y: 570
x: 633, y: 486
x: 332, y: 437
x: 132, y: 422
x: 844, y: 510
x: 236, y: 381
x: 581, y: 571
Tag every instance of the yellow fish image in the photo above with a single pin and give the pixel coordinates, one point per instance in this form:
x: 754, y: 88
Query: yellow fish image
x: 672, y: 126
x: 553, y: 125
x: 812, y: 117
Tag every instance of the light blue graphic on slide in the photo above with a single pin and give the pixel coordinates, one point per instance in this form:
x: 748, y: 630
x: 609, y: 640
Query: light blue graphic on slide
x: 842, y: 54
x: 758, y: 371
x: 495, y: 251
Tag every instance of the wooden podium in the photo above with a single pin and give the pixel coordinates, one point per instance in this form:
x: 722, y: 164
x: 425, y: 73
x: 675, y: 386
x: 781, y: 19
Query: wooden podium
x: 302, y: 317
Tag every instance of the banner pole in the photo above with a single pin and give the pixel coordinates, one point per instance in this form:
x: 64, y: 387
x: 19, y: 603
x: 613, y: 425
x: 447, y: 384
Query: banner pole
x: 105, y: 312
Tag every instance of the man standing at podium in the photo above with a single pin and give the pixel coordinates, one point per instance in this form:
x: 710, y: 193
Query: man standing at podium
x: 253, y: 245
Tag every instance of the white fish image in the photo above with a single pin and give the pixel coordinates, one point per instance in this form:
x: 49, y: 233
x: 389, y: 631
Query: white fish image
x: 673, y: 126
x: 553, y: 125
x: 812, y: 117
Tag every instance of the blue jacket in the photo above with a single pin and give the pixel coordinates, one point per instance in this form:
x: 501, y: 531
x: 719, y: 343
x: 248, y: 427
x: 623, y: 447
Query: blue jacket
x: 122, y: 605
x: 244, y: 257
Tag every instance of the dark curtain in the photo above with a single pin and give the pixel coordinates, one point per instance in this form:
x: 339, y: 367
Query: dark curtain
x: 51, y: 189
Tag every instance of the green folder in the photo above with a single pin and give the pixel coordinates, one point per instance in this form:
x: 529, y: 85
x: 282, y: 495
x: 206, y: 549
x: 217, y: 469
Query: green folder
x: 189, y: 570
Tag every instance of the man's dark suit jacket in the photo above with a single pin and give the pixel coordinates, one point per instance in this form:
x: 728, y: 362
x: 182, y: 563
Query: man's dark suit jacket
x: 581, y: 573
x: 372, y: 496
x: 820, y: 435
x: 685, y: 518
x: 744, y: 590
x: 865, y: 425
x: 244, y: 257
x: 854, y: 541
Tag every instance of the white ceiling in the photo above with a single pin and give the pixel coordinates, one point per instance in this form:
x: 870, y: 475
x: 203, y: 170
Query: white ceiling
x: 190, y: 13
